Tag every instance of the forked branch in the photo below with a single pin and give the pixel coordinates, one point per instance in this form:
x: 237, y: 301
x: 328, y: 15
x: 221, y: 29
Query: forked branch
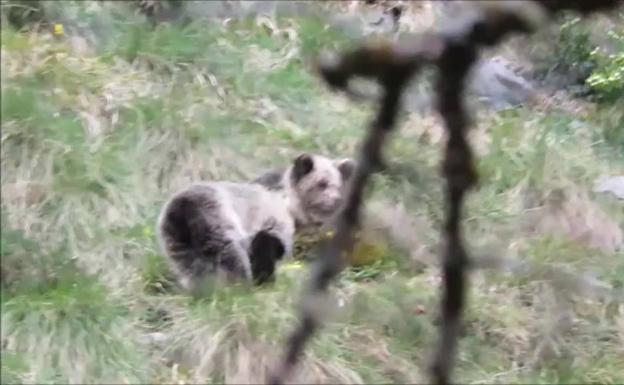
x: 452, y: 52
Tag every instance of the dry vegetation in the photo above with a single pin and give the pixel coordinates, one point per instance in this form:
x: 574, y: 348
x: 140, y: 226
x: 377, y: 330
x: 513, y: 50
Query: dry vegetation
x: 96, y: 134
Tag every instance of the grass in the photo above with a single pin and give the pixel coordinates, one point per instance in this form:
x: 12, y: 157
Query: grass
x: 93, y: 143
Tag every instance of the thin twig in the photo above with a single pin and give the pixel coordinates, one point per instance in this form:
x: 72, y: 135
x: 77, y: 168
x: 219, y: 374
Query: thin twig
x: 332, y: 260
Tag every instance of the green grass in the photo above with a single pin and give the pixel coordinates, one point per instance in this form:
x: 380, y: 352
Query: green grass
x: 92, y: 145
x: 72, y: 333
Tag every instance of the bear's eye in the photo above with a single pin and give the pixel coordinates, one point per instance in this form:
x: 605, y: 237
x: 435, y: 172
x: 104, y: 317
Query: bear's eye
x: 322, y: 184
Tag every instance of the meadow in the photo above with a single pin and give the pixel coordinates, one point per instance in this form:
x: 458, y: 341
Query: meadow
x: 96, y: 135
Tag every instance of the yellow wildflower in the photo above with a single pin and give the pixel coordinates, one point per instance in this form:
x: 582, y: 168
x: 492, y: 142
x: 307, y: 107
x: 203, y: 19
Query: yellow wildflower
x: 292, y: 266
x: 58, y: 29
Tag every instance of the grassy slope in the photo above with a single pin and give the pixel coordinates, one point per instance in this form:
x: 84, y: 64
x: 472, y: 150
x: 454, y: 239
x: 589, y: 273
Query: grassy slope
x: 92, y: 145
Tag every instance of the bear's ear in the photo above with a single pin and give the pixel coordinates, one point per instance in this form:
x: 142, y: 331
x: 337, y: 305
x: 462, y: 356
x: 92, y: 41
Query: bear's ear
x: 302, y: 165
x: 346, y: 168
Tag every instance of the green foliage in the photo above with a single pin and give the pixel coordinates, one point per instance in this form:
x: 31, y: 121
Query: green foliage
x: 600, y: 68
x: 524, y: 156
x: 607, y: 79
x: 157, y: 275
x: 608, y: 128
x: 21, y: 13
x: 28, y: 266
x: 317, y: 36
x: 82, y: 337
x: 573, y: 50
x: 167, y: 43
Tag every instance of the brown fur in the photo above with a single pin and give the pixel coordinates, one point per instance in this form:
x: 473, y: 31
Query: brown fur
x: 238, y: 231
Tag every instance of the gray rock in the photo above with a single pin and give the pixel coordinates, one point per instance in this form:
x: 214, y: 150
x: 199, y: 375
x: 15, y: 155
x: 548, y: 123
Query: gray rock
x: 493, y: 81
x: 611, y: 184
x: 234, y: 9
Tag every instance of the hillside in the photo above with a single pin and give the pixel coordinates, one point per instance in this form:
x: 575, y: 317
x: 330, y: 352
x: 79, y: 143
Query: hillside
x: 101, y: 123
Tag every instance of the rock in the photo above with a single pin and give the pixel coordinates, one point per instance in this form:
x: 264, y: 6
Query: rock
x: 612, y: 184
x: 492, y: 81
x: 156, y: 338
x: 235, y: 9
x: 496, y: 84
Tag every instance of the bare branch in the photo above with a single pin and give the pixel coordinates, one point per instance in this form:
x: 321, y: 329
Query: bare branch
x: 453, y: 52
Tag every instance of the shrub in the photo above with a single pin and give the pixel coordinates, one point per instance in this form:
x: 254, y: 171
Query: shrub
x: 573, y: 51
x: 20, y: 13
x: 607, y: 79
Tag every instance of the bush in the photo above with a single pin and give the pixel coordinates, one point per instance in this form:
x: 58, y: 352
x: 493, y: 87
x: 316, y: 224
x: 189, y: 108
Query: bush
x: 599, y: 69
x: 20, y: 13
x: 573, y: 51
x: 607, y: 79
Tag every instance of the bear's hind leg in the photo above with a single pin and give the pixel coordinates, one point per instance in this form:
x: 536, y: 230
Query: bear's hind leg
x: 265, y: 250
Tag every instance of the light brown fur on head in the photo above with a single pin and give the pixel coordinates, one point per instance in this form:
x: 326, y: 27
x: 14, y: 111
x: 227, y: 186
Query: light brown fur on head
x: 317, y: 187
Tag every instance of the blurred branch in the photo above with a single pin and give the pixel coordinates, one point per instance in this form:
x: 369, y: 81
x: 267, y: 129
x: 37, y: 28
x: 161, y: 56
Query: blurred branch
x: 453, y: 52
